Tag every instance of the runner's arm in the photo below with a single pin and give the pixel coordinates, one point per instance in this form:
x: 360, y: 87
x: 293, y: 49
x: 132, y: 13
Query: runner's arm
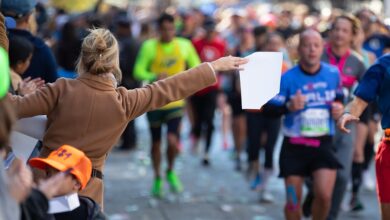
x: 356, y: 106
x: 192, y: 56
x: 366, y: 92
x: 142, y: 64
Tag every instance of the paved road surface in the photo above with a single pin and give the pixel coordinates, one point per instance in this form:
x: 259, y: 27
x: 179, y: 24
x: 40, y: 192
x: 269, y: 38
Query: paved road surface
x: 214, y: 193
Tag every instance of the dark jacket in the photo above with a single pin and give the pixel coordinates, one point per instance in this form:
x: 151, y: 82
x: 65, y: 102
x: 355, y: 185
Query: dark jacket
x: 88, y: 210
x: 36, y: 207
x: 128, y: 50
x: 43, y: 63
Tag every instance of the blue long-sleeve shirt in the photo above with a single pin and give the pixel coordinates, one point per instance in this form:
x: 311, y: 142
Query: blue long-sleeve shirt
x: 375, y: 85
x: 320, y: 90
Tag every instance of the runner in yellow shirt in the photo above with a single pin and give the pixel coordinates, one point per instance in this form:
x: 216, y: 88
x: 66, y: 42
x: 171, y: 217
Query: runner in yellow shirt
x: 158, y: 59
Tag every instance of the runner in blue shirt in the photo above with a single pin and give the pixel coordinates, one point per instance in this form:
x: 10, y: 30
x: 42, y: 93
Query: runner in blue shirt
x: 308, y: 99
x: 375, y: 85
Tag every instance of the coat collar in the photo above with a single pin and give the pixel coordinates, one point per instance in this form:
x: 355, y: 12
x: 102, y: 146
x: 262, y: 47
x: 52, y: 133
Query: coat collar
x: 99, y: 82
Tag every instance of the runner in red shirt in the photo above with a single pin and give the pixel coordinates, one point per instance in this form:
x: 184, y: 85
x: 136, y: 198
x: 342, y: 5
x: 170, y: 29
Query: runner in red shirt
x: 210, y: 47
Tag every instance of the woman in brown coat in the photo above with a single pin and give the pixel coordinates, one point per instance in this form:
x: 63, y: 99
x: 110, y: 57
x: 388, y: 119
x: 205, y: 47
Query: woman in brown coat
x: 91, y: 112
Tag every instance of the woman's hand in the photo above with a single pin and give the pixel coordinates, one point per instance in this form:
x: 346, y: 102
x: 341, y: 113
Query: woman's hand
x: 29, y: 85
x: 228, y: 63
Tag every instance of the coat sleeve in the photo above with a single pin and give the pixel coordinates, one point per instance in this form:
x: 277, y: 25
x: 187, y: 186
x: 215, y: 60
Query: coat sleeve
x: 174, y: 88
x: 42, y: 102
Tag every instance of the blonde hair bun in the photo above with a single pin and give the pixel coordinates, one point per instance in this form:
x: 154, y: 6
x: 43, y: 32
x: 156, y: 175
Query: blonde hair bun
x: 99, y: 54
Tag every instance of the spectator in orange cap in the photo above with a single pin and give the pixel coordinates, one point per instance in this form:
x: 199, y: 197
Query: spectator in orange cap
x: 73, y: 161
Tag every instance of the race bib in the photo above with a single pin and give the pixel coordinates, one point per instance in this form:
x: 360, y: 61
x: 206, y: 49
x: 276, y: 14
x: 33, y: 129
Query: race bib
x: 315, y: 122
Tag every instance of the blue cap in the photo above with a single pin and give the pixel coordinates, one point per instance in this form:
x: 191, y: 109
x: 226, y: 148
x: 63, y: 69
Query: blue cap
x: 17, y: 8
x: 10, y: 23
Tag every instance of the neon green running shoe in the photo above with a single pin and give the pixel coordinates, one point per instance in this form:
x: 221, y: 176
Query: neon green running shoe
x: 174, y: 182
x: 157, y: 189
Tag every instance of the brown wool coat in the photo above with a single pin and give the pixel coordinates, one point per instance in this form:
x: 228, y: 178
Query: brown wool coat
x: 89, y: 113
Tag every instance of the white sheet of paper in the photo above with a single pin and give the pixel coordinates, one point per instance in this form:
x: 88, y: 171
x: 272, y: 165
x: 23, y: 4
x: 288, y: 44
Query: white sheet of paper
x: 34, y: 127
x: 64, y: 203
x: 260, y: 79
x: 22, y: 145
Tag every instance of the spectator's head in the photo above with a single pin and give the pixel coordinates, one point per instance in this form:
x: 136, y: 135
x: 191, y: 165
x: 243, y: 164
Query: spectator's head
x: 310, y: 48
x: 166, y: 26
x: 344, y: 28
x: 20, y: 53
x: 123, y: 26
x: 66, y: 159
x: 274, y: 42
x: 99, y: 54
x: 209, y: 26
x: 358, y: 40
x: 238, y: 18
x: 366, y: 17
x: 245, y: 33
x: 69, y: 32
x: 20, y: 10
x: 260, y: 34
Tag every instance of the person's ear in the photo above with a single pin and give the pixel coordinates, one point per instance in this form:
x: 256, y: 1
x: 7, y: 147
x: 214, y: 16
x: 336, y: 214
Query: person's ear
x: 77, y: 186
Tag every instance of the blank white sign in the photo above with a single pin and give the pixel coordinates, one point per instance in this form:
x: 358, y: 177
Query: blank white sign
x: 260, y: 79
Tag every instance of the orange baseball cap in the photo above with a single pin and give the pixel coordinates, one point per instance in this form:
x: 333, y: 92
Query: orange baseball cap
x: 64, y: 158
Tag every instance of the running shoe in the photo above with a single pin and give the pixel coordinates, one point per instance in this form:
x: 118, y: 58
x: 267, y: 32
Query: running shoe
x: 174, y: 182
x: 266, y: 196
x: 368, y: 181
x: 157, y: 189
x: 356, y: 205
x: 205, y: 162
x: 255, y: 183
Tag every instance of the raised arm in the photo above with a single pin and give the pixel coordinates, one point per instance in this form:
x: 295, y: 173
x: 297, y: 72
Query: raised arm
x: 177, y: 87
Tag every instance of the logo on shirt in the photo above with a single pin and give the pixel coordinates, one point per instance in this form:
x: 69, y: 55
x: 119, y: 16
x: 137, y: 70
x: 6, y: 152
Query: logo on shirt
x: 169, y: 62
x: 315, y: 86
x: 210, y: 53
x: 348, y: 70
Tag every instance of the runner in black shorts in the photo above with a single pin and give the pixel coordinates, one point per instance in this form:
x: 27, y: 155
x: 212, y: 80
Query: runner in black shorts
x: 307, y: 98
x: 296, y: 159
x: 170, y: 117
